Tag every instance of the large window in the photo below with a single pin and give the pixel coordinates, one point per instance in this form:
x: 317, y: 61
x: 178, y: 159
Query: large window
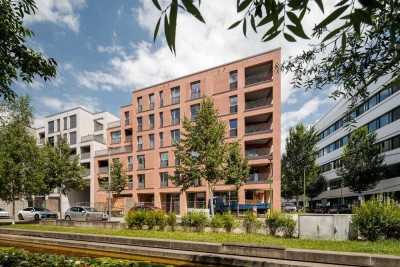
x: 151, y: 101
x: 163, y: 179
x: 139, y: 104
x: 72, y: 121
x: 233, y: 77
x: 141, y: 162
x: 130, y: 163
x: 175, y: 135
x: 195, y: 90
x: 161, y: 119
x: 233, y: 128
x: 161, y: 139
x: 151, y: 140
x: 116, y: 137
x: 58, y: 125
x: 126, y: 113
x: 140, y: 143
x: 51, y: 126
x: 193, y: 111
x: 140, y: 124
x: 175, y: 95
x: 233, y: 104
x: 151, y: 121
x: 141, y: 181
x: 163, y: 159
x: 72, y: 138
x: 65, y: 119
x: 161, y: 99
x: 175, y: 116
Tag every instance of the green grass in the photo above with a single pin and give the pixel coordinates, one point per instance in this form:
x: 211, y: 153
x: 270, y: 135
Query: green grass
x: 389, y: 247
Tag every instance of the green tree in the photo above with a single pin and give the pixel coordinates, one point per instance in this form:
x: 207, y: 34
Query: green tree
x: 237, y: 168
x: 362, y: 47
x: 17, y: 60
x: 20, y: 170
x: 300, y: 156
x: 202, y: 150
x: 316, y: 187
x: 362, y: 164
x: 119, y: 179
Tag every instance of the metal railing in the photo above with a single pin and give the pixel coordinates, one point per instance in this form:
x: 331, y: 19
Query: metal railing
x: 130, y: 167
x: 87, y: 172
x: 140, y: 147
x: 195, y: 95
x: 98, y: 128
x: 116, y: 140
x: 233, y: 132
x: 42, y: 140
x: 151, y: 145
x: 164, y: 183
x: 233, y: 109
x: 175, y: 141
x: 93, y: 137
x: 141, y: 166
x: 151, y: 106
x: 163, y: 163
x: 129, y: 186
x: 103, y: 170
x: 120, y: 150
x: 151, y: 126
x: 113, y: 124
x: 175, y: 100
x: 257, y: 103
x: 258, y: 128
x: 258, y: 178
x: 175, y: 121
x: 233, y: 85
x: 128, y: 138
x: 85, y: 155
x: 257, y: 153
x: 161, y: 143
x: 139, y: 108
x: 258, y: 78
x: 127, y: 122
x: 140, y: 128
x: 141, y: 185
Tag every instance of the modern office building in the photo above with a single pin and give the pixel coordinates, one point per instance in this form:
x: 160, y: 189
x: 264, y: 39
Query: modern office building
x: 380, y: 112
x: 247, y: 95
x: 85, y: 133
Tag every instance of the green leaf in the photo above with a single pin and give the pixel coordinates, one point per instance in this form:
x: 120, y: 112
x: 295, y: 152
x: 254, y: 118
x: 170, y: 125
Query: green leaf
x: 320, y: 4
x: 157, y: 5
x: 253, y: 23
x: 156, y: 29
x: 272, y: 36
x: 167, y: 32
x: 244, y: 27
x: 335, y: 32
x: 343, y: 42
x: 192, y: 9
x: 289, y: 37
x: 234, y: 24
x: 335, y: 14
x: 172, y: 22
x: 293, y: 18
x: 265, y: 20
x: 243, y: 5
x: 298, y: 30
x: 341, y: 3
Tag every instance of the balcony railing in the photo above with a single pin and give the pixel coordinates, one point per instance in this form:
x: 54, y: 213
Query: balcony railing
x: 114, y: 124
x: 141, y: 166
x: 175, y: 141
x: 103, y: 170
x: 233, y: 85
x: 98, y: 128
x: 161, y: 143
x: 163, y: 163
x: 175, y: 100
x: 128, y: 138
x: 161, y: 103
x: 120, y: 150
x: 257, y: 78
x: 93, y: 137
x: 151, y: 126
x: 141, y: 185
x: 151, y: 106
x: 130, y: 167
x: 233, y: 132
x: 85, y: 155
x: 258, y: 178
x: 42, y: 140
x: 195, y: 95
x: 127, y: 122
x: 129, y: 185
x: 116, y: 140
x: 258, y: 103
x: 257, y: 153
x: 175, y: 121
x: 233, y: 109
x: 139, y: 108
x: 87, y: 172
x: 140, y: 128
x: 140, y: 147
x: 258, y: 128
x: 161, y: 123
x: 151, y: 145
x: 164, y: 183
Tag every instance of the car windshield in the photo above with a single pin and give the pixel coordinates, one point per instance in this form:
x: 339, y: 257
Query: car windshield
x: 91, y: 210
x: 42, y: 209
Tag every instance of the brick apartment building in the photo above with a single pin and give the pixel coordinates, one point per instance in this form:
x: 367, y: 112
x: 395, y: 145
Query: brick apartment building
x: 247, y: 94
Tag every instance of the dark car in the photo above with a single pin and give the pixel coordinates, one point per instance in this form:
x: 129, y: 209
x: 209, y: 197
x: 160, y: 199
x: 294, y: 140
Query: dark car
x: 322, y: 209
x: 340, y: 209
x: 145, y: 208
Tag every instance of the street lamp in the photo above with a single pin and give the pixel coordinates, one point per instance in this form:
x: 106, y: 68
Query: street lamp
x: 271, y: 199
x: 109, y: 183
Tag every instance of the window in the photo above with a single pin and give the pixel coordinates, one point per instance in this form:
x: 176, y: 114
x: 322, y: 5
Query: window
x: 233, y: 80
x: 130, y: 163
x: 151, y: 121
x: 141, y: 162
x: 139, y: 104
x: 175, y: 95
x: 396, y: 114
x: 72, y: 121
x: 51, y: 126
x: 372, y: 101
x: 396, y: 142
x: 151, y: 139
x: 175, y: 135
x: 395, y: 89
x: 177, y: 161
x: 141, y: 181
x: 140, y: 124
x: 140, y: 143
x: 195, y: 90
x: 384, y: 94
x: 163, y: 179
x: 58, y: 125
x: 161, y: 139
x: 233, y: 128
x: 126, y: 117
x: 384, y: 146
x: 65, y: 137
x: 51, y: 141
x: 129, y: 181
x: 175, y: 116
x: 164, y: 159
x: 65, y: 119
x: 72, y: 138
x: 116, y: 137
x: 193, y: 111
x: 161, y: 99
x: 384, y: 120
x: 161, y: 119
x: 373, y: 125
x: 233, y: 104
x: 151, y: 101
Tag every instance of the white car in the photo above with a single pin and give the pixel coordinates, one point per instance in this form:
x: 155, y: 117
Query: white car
x: 36, y: 213
x: 4, y: 214
x: 289, y: 207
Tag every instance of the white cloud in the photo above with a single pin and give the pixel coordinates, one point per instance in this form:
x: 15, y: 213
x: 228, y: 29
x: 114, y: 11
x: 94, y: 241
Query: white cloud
x: 63, y: 13
x: 120, y: 11
x: 91, y: 104
x: 52, y: 102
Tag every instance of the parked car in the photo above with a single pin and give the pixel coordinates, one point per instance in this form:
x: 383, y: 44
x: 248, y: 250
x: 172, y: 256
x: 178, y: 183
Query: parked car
x: 321, y: 209
x: 4, y: 214
x: 342, y: 209
x: 289, y: 207
x: 79, y: 213
x: 145, y: 208
x: 36, y: 213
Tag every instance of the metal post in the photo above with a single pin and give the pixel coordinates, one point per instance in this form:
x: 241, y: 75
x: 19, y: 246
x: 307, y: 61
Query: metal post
x: 271, y: 199
x: 304, y: 193
x: 109, y: 184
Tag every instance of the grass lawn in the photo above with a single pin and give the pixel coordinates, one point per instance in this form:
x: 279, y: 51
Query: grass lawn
x: 390, y: 247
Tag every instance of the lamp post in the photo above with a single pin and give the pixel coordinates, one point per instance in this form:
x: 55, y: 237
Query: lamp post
x: 109, y: 183
x: 271, y: 199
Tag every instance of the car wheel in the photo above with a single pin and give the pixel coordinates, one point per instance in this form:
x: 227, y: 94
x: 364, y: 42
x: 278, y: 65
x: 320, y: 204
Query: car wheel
x: 36, y: 217
x: 68, y: 218
x: 20, y: 217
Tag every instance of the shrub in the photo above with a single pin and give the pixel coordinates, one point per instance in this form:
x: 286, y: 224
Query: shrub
x: 151, y: 219
x: 370, y: 220
x: 274, y: 222
x: 392, y: 214
x: 217, y: 223
x: 229, y: 221
x: 195, y: 220
x: 171, y: 221
x: 161, y: 220
x: 289, y: 226
x: 136, y: 219
x: 250, y: 223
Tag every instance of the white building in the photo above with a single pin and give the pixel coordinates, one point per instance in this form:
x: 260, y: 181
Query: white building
x: 379, y: 112
x: 85, y: 133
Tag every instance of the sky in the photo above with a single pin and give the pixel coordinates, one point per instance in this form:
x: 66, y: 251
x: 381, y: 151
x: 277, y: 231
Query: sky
x: 105, y: 50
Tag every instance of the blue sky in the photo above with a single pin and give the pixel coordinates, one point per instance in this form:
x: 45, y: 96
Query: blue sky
x: 105, y: 50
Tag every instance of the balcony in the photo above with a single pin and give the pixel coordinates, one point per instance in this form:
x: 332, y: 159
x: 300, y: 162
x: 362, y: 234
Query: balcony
x: 127, y: 122
x: 140, y: 108
x: 151, y: 145
x: 140, y: 128
x: 258, y: 128
x: 258, y: 74
x: 151, y: 106
x: 161, y: 143
x: 141, y: 166
x: 175, y: 100
x: 163, y: 163
x: 129, y: 186
x: 121, y: 150
x: 141, y: 185
x: 257, y: 103
x: 151, y: 126
x: 140, y: 147
x: 232, y: 132
x: 175, y: 121
x: 164, y: 183
x: 233, y: 109
x: 98, y: 128
x: 128, y: 138
x: 103, y: 170
x: 195, y: 95
x: 85, y: 155
x: 116, y: 140
x: 257, y: 153
x: 258, y: 178
x: 233, y: 85
x: 130, y: 167
x: 114, y: 124
x: 93, y: 137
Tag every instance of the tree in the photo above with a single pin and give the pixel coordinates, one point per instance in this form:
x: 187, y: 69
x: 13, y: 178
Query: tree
x: 60, y: 170
x: 20, y: 172
x: 361, y: 48
x: 18, y: 61
x: 362, y: 164
x: 300, y: 157
x: 316, y: 187
x: 201, y: 150
x: 237, y: 168
x: 119, y: 179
